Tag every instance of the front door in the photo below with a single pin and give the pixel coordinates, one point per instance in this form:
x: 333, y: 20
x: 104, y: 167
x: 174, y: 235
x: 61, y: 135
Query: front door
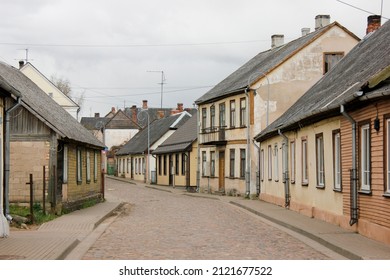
x: 221, y: 174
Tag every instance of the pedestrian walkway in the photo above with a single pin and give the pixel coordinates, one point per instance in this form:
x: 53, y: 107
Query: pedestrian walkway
x: 54, y: 240
x: 58, y: 239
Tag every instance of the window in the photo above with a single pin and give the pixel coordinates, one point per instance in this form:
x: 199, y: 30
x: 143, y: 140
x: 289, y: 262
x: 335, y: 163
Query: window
x: 95, y: 166
x: 222, y: 120
x: 79, y: 166
x: 136, y: 165
x: 337, y: 160
x: 159, y: 165
x: 276, y: 163
x: 262, y: 165
x: 232, y: 162
x: 387, y: 129
x: 88, y: 173
x: 365, y: 157
x: 232, y: 113
x: 204, y: 118
x: 331, y: 59
x: 305, y: 175
x: 212, y: 116
x: 127, y: 165
x: 143, y: 165
x: 183, y: 163
x: 204, y: 162
x: 269, y: 162
x: 177, y: 164
x: 212, y: 164
x: 242, y: 162
x: 320, y: 168
x: 65, y: 167
x: 292, y: 161
x: 242, y: 112
x: 165, y: 164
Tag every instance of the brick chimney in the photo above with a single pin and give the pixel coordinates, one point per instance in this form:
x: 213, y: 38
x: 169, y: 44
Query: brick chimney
x: 373, y: 23
x: 113, y: 110
x: 180, y: 107
x: 144, y: 104
x: 277, y: 40
x: 160, y: 114
x: 134, y: 114
x: 321, y: 21
x: 97, y: 115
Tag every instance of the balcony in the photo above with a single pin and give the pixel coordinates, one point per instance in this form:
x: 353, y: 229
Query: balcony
x: 213, y: 135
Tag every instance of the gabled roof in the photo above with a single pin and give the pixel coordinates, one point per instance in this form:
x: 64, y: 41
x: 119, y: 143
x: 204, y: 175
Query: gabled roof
x: 45, y: 108
x: 365, y: 68
x: 121, y: 121
x: 28, y: 65
x: 181, y: 140
x: 139, y: 143
x: 94, y: 123
x: 265, y: 62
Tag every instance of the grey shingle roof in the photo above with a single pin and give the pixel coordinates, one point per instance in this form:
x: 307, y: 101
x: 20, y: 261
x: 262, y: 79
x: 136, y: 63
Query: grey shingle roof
x: 181, y: 140
x: 45, y: 108
x: 264, y: 62
x: 139, y: 143
x: 367, y: 60
x: 93, y: 123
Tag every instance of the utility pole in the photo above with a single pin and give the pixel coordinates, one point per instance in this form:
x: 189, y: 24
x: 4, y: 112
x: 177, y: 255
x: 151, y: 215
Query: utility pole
x: 162, y: 84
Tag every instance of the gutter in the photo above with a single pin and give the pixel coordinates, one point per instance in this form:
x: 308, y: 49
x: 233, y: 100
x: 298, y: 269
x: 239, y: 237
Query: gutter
x: 286, y: 179
x: 7, y: 149
x: 354, y: 178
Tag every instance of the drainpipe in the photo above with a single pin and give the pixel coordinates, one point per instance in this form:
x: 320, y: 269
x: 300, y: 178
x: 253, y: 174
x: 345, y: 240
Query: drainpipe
x: 354, y: 193
x: 198, y: 151
x: 7, y: 149
x: 248, y: 154
x: 285, y: 170
x: 258, y: 179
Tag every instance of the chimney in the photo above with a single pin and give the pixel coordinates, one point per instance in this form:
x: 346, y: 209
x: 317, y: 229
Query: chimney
x: 180, y: 107
x: 373, y: 23
x: 305, y: 31
x: 134, y: 113
x: 21, y: 64
x: 277, y: 40
x: 97, y: 115
x: 144, y: 104
x: 321, y: 21
x: 113, y: 110
x: 160, y: 114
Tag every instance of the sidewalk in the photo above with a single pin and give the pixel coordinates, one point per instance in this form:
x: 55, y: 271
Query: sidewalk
x: 70, y: 235
x: 54, y: 240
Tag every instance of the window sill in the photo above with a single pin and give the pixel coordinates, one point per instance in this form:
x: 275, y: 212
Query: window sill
x: 320, y: 187
x: 293, y: 182
x: 337, y: 190
x: 305, y: 184
x: 386, y: 194
x: 365, y: 192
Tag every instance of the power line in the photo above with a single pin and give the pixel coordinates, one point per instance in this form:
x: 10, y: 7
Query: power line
x: 360, y: 9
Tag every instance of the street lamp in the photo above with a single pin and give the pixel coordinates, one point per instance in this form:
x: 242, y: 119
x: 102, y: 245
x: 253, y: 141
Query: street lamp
x: 162, y: 83
x: 142, y: 118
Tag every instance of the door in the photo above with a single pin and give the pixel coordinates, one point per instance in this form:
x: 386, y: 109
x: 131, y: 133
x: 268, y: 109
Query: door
x: 221, y: 174
x: 170, y: 170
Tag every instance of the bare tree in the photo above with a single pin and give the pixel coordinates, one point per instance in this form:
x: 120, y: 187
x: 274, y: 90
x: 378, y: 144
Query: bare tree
x: 65, y: 87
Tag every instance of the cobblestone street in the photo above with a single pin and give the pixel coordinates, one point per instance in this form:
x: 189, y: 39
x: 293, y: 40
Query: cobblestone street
x: 160, y: 225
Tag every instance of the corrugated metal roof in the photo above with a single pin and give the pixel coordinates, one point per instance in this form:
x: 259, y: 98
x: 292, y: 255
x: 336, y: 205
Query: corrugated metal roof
x: 370, y: 58
x: 260, y: 65
x: 139, y: 143
x: 181, y: 140
x: 45, y: 108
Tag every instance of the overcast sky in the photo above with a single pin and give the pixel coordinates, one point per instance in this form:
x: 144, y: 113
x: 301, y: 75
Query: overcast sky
x: 106, y: 48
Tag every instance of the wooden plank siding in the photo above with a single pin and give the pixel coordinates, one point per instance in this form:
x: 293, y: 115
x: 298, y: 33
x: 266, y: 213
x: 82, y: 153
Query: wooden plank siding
x: 373, y: 208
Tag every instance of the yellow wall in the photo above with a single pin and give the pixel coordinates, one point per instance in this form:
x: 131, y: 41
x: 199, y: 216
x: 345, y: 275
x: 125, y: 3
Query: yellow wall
x: 324, y: 203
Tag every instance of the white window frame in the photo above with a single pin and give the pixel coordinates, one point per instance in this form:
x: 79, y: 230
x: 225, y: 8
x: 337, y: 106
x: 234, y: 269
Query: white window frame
x: 276, y: 163
x: 88, y: 167
x: 320, y: 161
x: 212, y: 164
x: 95, y: 166
x: 79, y: 165
x: 337, y: 160
x: 305, y: 170
x: 292, y: 161
x: 262, y: 165
x: 365, y: 158
x: 269, y: 162
x: 65, y: 167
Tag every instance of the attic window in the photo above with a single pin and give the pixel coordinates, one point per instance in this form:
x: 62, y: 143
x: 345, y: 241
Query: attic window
x: 331, y: 59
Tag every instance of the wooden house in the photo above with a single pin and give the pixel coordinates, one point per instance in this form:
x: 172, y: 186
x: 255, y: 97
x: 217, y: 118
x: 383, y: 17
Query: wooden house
x: 47, y: 142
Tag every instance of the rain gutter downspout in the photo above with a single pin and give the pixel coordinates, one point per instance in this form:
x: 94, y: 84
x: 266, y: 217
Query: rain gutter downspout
x: 354, y: 193
x: 285, y: 170
x: 7, y: 149
x: 248, y: 153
